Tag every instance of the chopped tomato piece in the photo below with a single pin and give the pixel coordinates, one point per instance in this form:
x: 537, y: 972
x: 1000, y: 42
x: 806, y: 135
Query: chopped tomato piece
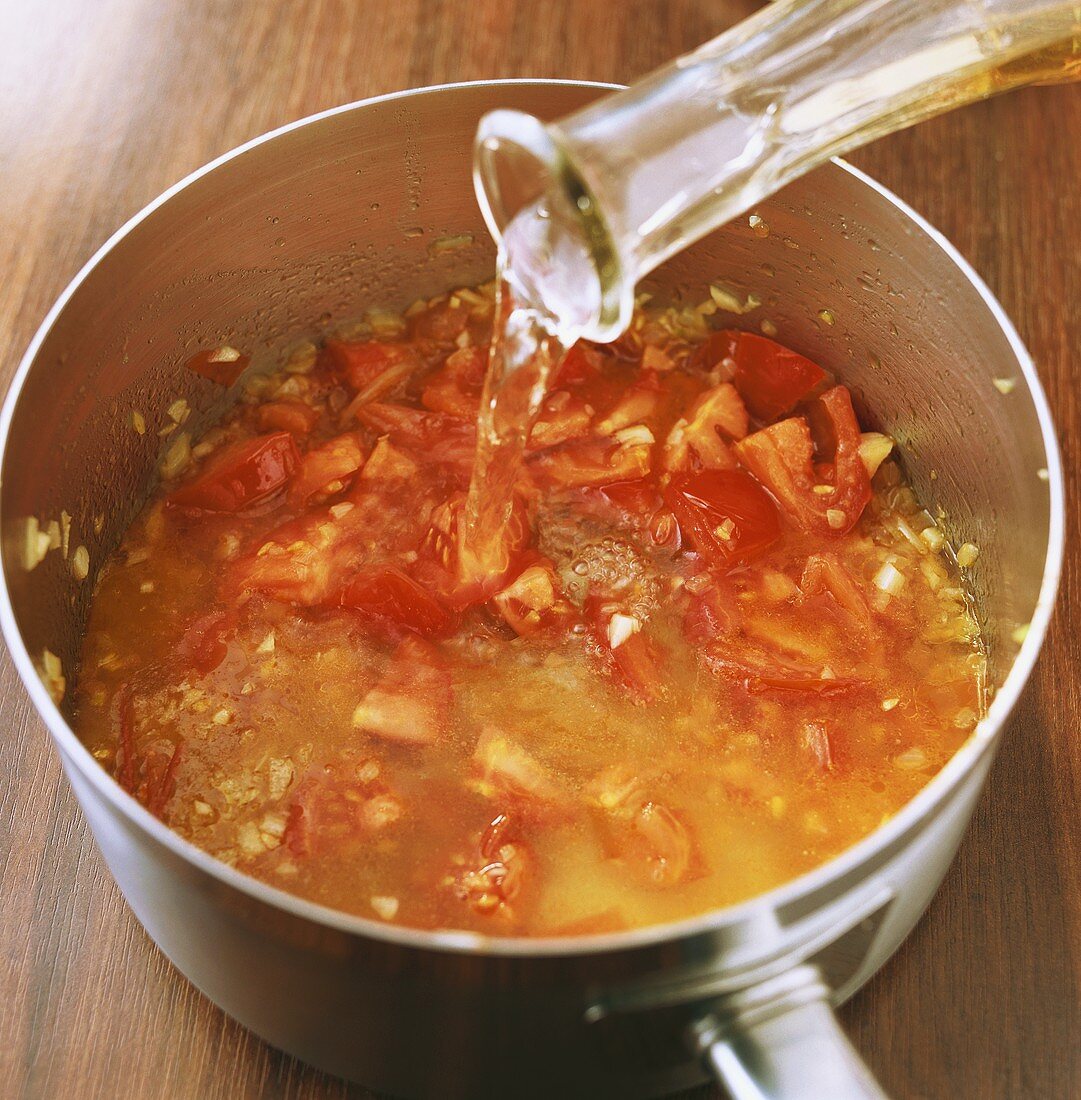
x: 816, y: 740
x: 725, y: 515
x: 619, y: 637
x: 823, y: 573
x: 240, y: 476
x: 641, y: 503
x: 718, y: 347
x: 504, y: 766
x: 637, y: 404
x: 307, y: 560
x: 411, y: 703
x: 443, y: 323
x: 456, y: 388
x: 581, y: 364
x: 387, y: 594
x: 759, y: 672
x: 221, y: 365
x: 640, y: 498
x: 430, y: 437
x: 562, y: 417
x: 287, y: 415
x: 504, y: 867
x: 782, y: 458
x: 330, y: 807
x: 360, y: 363
x: 205, y: 642
x: 717, y: 415
x: 388, y: 463
x: 533, y: 602
x: 772, y: 379
x: 596, y: 461
x: 460, y: 582
x: 329, y: 468
x: 648, y: 838
x: 664, y: 844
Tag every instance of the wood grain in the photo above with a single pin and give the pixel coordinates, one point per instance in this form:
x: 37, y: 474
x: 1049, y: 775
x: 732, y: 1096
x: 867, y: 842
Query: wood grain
x: 104, y: 104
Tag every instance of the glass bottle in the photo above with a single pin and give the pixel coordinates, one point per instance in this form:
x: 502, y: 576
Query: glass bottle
x: 583, y: 208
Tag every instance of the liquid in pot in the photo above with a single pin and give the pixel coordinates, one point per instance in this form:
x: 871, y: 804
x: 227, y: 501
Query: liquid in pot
x: 720, y: 641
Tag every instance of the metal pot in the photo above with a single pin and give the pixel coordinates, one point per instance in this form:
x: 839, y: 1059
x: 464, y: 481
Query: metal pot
x: 371, y: 204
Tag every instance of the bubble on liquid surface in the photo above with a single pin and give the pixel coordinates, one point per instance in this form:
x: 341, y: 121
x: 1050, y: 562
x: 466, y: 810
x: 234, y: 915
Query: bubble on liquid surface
x: 614, y: 569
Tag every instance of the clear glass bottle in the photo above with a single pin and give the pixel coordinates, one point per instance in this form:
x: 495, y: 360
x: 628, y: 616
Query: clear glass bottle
x: 584, y: 207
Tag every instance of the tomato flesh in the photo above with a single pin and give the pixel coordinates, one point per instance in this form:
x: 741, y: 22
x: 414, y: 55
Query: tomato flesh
x: 828, y: 500
x: 388, y: 594
x: 288, y: 415
x: 359, y: 363
x: 332, y: 464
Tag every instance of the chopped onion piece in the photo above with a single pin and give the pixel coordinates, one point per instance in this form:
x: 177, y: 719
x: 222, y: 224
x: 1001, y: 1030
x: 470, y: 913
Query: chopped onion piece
x: 933, y: 537
x: 387, y: 908
x: 911, y: 760
x: 967, y: 555
x: 890, y: 579
x: 620, y: 628
x: 874, y: 450
x: 635, y: 434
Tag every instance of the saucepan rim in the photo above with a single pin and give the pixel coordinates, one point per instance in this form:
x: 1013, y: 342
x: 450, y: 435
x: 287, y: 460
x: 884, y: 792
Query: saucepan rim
x: 962, y: 762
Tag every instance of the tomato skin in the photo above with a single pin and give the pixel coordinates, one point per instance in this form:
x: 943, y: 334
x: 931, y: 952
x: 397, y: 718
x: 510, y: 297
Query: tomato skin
x: 639, y: 498
x: 711, y: 502
x: 717, y: 347
x: 221, y: 365
x: 240, y: 476
x: 782, y: 458
x: 388, y: 594
x: 287, y: 415
x: 771, y: 379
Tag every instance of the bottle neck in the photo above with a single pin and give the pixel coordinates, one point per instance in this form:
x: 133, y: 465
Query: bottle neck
x: 589, y: 205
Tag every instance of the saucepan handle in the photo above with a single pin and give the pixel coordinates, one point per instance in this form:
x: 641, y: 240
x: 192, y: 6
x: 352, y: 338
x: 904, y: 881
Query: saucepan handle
x: 781, y: 1041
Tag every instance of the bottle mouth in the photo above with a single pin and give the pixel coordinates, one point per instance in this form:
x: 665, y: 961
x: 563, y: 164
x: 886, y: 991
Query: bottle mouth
x: 523, y: 171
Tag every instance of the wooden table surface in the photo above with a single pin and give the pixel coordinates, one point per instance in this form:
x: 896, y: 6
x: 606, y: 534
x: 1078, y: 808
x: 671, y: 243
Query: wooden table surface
x: 103, y: 104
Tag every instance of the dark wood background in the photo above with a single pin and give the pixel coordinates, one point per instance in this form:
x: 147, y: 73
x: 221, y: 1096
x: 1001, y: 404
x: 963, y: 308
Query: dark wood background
x: 104, y: 103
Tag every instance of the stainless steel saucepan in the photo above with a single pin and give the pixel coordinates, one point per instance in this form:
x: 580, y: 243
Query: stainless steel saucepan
x: 372, y: 204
